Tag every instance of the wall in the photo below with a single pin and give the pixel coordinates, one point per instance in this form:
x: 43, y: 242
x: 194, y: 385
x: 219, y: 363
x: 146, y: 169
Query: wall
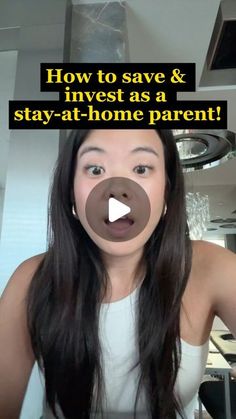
x: 8, y: 61
x: 37, y: 31
x: 1, y: 207
x: 32, y: 153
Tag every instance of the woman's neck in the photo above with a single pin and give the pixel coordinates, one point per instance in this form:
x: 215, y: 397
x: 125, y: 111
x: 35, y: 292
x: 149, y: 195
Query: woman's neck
x: 125, y: 273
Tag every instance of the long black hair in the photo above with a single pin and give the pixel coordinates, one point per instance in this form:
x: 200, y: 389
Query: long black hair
x: 66, y: 291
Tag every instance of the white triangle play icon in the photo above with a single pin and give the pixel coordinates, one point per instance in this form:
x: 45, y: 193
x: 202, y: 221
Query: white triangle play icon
x: 116, y: 209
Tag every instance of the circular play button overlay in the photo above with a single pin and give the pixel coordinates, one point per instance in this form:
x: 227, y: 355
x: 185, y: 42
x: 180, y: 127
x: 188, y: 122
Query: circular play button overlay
x: 117, y: 209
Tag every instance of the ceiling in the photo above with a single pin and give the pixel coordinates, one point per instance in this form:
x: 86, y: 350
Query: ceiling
x: 164, y: 31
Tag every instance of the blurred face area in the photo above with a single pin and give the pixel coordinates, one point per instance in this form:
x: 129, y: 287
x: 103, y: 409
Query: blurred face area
x: 134, y: 154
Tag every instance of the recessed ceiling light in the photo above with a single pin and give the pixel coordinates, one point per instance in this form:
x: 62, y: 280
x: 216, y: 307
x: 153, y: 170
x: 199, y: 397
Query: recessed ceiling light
x: 224, y: 220
x: 228, y: 226
x: 202, y: 149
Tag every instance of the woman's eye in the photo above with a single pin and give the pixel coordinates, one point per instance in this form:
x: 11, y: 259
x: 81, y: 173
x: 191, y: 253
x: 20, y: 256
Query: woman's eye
x: 94, y: 170
x: 142, y: 170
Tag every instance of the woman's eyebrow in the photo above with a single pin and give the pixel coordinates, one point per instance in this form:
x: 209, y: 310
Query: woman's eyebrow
x: 91, y: 148
x: 101, y: 150
x: 147, y: 149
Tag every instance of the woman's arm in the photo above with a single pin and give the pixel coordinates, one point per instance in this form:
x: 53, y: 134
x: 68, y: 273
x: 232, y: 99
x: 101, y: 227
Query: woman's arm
x: 222, y: 283
x: 16, y: 355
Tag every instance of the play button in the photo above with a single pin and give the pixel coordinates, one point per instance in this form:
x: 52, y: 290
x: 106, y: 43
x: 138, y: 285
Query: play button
x: 117, y: 209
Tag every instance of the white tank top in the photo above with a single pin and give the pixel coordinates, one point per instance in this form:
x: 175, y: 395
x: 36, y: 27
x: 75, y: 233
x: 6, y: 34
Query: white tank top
x: 119, y: 354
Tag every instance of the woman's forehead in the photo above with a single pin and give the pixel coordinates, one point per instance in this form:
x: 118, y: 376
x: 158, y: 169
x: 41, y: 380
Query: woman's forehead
x: 121, y: 138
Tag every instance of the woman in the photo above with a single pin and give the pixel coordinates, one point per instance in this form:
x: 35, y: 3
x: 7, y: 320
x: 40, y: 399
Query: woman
x: 117, y: 326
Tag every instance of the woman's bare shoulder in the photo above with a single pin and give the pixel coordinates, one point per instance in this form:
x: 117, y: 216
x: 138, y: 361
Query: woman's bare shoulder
x: 212, y: 263
x: 16, y: 353
x: 25, y: 271
x: 214, y: 269
x: 209, y: 256
x: 30, y: 265
x: 21, y: 278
